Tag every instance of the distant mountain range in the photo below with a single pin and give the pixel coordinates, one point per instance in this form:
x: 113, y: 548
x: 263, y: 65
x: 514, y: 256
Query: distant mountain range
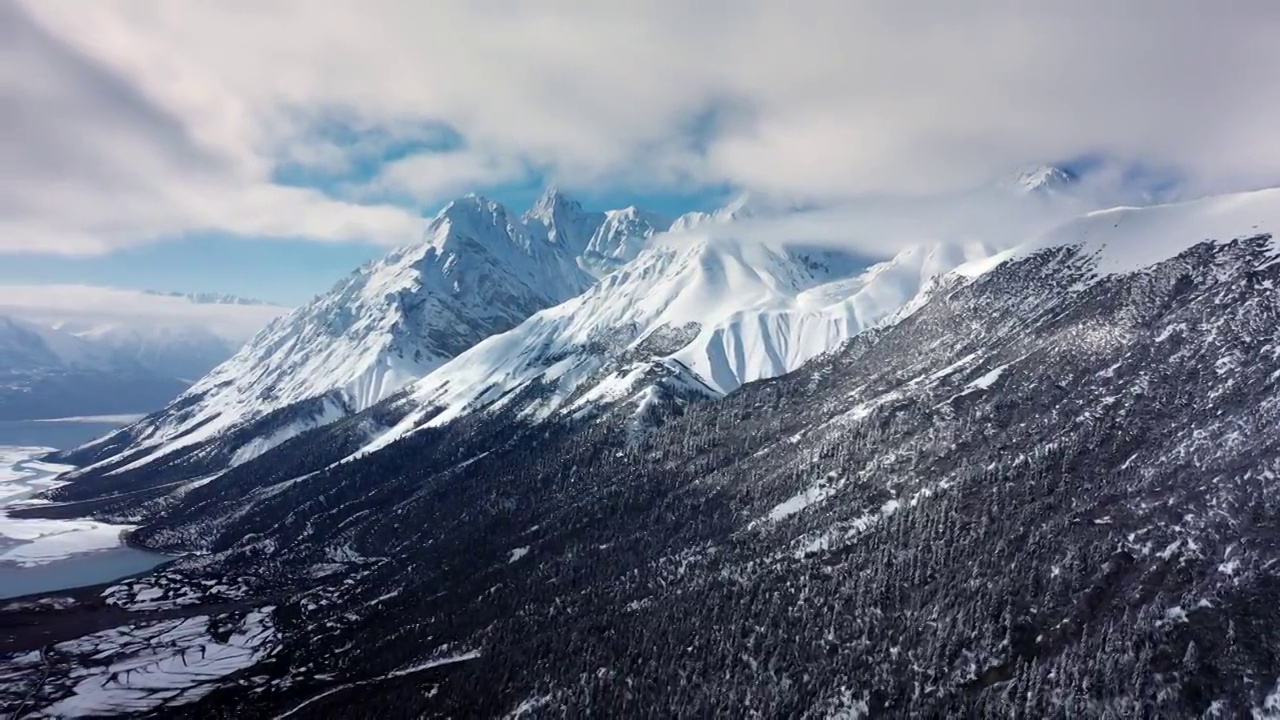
x: 208, y: 298
x: 117, y: 352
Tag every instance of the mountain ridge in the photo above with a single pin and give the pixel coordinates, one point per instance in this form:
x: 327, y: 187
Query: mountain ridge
x: 1032, y: 467
x: 478, y: 270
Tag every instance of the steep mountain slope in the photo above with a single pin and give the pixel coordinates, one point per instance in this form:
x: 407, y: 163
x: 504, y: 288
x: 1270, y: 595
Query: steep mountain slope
x: 479, y: 271
x: 1050, y: 487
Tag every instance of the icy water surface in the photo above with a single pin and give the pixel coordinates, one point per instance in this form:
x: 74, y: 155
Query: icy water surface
x: 37, y: 555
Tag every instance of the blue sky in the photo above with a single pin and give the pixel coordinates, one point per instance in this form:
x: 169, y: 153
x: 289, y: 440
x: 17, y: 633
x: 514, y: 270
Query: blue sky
x: 287, y: 272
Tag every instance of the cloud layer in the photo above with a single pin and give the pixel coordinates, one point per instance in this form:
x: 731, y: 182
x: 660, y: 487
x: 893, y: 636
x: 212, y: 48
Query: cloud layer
x: 137, y: 119
x: 82, y: 307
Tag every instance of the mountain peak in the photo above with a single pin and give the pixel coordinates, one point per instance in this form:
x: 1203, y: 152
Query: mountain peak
x: 470, y: 211
x: 553, y: 201
x: 473, y: 202
x: 562, y: 220
x: 1042, y: 179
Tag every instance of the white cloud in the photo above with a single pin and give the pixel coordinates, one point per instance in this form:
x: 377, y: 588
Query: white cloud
x: 161, y: 116
x: 93, y: 162
x: 444, y: 174
x: 84, y: 306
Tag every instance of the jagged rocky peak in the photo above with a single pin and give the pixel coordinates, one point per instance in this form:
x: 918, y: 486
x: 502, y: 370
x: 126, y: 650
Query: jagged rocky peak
x: 562, y: 221
x: 475, y: 217
x: 553, y: 201
x: 621, y: 237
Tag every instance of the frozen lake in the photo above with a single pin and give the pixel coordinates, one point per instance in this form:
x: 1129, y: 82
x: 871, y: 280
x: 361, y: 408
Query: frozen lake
x: 39, y: 555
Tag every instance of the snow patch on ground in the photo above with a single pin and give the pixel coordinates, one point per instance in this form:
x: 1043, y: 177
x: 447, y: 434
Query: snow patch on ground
x: 1270, y: 707
x: 989, y: 378
x: 44, y: 541
x: 529, y: 707
x: 518, y: 553
x: 427, y: 665
x: 846, y: 530
x: 167, y: 663
x: 794, y: 504
x: 395, y: 673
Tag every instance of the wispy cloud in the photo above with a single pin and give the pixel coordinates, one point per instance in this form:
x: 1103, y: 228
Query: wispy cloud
x: 143, y: 118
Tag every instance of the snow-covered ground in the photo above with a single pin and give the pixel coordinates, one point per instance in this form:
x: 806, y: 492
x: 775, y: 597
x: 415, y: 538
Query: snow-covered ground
x: 171, y: 662
x: 31, y: 541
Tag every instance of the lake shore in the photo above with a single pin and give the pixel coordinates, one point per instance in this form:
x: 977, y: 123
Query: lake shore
x: 46, y: 555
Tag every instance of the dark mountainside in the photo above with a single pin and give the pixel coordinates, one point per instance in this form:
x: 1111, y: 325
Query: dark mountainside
x: 1042, y: 494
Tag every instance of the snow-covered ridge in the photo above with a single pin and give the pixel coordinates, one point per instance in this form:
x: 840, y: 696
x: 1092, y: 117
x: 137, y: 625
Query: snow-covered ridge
x: 756, y: 310
x: 711, y: 312
x: 491, y: 307
x: 1127, y: 239
x: 479, y: 270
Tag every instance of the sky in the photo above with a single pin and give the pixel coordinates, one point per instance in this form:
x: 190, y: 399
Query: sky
x: 265, y: 148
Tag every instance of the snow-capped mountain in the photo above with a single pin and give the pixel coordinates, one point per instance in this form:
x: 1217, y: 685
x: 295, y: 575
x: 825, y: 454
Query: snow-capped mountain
x: 743, y: 207
x: 47, y: 372
x: 562, y: 222
x: 699, y: 311
x: 1056, y: 454
x: 696, y: 313
x: 479, y: 271
x: 620, y: 238
x: 599, y: 241
x: 705, y: 314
